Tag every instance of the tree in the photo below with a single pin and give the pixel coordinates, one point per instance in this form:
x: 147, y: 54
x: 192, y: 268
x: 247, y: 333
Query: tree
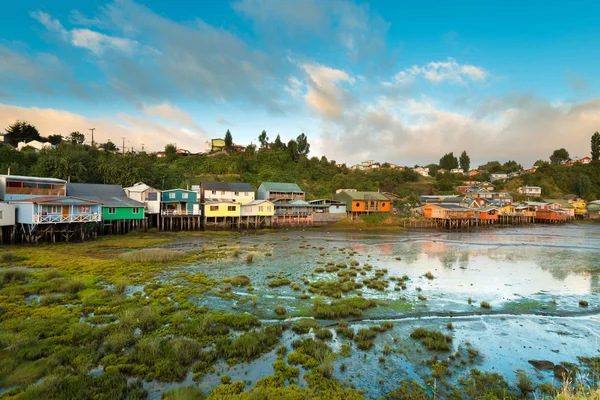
x: 303, y: 145
x: 448, y: 161
x: 55, y: 139
x: 21, y: 131
x: 584, y: 186
x: 108, y: 146
x: 263, y: 139
x: 292, y: 148
x: 596, y: 146
x: 558, y: 156
x: 465, y: 161
x: 278, y: 144
x: 228, y: 139
x: 170, y: 152
x: 250, y: 150
x: 76, y: 137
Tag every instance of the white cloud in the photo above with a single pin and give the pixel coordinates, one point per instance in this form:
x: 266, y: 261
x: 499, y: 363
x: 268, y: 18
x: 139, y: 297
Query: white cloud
x: 136, y: 130
x: 171, y: 112
x: 98, y: 43
x: 440, y: 71
x: 293, y: 86
x: 325, y: 95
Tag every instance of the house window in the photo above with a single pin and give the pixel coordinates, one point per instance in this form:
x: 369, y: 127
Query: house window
x: 230, y: 208
x: 184, y: 195
x: 84, y: 209
x: 237, y: 193
x: 54, y: 209
x: 246, y: 194
x: 112, y: 210
x: 171, y: 195
x: 214, y: 208
x: 152, y: 196
x: 136, y: 210
x: 261, y: 208
x: 214, y: 192
x: 357, y: 204
x: 1, y: 214
x: 222, y: 192
x: 268, y: 208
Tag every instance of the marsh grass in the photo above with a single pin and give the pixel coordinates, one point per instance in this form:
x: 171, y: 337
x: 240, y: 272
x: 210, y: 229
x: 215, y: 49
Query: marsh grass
x: 323, y: 334
x: 280, y: 310
x: 344, y: 307
x: 240, y: 280
x: 429, y: 275
x: 303, y: 326
x: 485, y: 304
x: 279, y: 282
x: 152, y: 256
x: 249, y: 258
x: 583, y: 303
x: 13, y: 275
x: 432, y: 340
x: 120, y: 286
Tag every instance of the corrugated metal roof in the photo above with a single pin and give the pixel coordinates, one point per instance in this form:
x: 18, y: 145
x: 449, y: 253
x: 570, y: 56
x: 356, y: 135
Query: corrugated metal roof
x: 281, y: 187
x: 33, y: 178
x: 55, y: 200
x: 365, y: 196
x: 108, y: 195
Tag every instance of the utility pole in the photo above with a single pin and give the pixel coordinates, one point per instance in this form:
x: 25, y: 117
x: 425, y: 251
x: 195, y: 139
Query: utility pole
x: 123, y: 148
x: 142, y: 147
x: 92, y: 129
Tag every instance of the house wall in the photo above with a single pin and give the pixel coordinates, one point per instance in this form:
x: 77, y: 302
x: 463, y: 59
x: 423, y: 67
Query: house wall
x: 268, y: 209
x: 262, y: 193
x: 122, y: 213
x: 241, y: 197
x: 192, y: 198
x: 7, y: 214
x: 337, y: 209
x: 222, y: 211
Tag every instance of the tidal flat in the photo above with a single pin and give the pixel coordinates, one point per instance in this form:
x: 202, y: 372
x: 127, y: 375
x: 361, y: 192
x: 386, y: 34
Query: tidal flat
x: 502, y: 313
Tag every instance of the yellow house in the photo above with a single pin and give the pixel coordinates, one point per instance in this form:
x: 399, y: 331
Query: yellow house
x: 221, y: 208
x: 508, y: 210
x: 580, y: 207
x: 261, y: 208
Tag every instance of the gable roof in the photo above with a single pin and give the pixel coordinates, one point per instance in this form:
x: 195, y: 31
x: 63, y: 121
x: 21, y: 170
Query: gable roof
x: 281, y: 187
x: 139, y: 187
x: 56, y: 200
x: 32, y: 178
x: 227, y: 186
x: 107, y: 195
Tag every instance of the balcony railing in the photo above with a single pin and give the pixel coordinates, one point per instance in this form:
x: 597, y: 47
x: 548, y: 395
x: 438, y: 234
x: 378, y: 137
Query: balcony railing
x: 36, y: 191
x: 58, y: 218
x: 179, y: 212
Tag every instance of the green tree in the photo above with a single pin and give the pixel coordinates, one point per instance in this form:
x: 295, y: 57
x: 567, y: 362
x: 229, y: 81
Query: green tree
x: 303, y: 145
x: 558, y: 156
x: 76, y: 137
x: 584, y: 186
x: 278, y: 144
x: 108, y: 146
x: 596, y: 146
x: 292, y: 149
x: 170, y: 152
x: 465, y: 161
x: 22, y: 131
x: 55, y: 139
x: 263, y: 139
x: 250, y: 150
x: 228, y: 139
x: 448, y: 161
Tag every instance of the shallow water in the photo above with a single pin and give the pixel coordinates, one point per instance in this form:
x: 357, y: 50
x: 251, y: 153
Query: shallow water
x: 533, y: 277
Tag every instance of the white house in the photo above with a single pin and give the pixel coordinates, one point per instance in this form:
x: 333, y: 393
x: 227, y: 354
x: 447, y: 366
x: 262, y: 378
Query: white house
x: 7, y: 214
x: 35, y: 144
x: 457, y: 171
x: 498, y: 177
x: 422, y: 171
x: 530, y: 190
x: 145, y: 194
x: 238, y: 192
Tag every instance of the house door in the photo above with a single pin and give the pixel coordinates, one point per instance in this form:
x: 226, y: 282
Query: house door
x: 196, y: 209
x: 65, y: 212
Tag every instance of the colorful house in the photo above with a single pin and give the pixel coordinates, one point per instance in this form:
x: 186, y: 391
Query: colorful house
x: 328, y: 206
x: 116, y: 206
x: 280, y: 191
x: 179, y: 202
x: 238, y: 192
x: 16, y: 187
x: 530, y: 190
x: 364, y: 202
x: 7, y: 222
x: 447, y: 211
x: 145, y: 194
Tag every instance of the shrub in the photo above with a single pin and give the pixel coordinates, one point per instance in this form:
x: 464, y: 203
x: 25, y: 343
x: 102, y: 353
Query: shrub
x: 225, y: 379
x: 524, y: 382
x: 249, y: 258
x: 304, y: 325
x: 323, y: 334
x: 485, y: 304
x: 279, y: 282
x: 240, y: 280
x: 583, y: 303
x: 280, y: 310
x: 432, y: 340
x: 120, y: 286
x: 429, y: 275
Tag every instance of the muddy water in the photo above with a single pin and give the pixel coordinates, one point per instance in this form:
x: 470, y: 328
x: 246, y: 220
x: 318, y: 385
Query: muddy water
x: 533, y: 277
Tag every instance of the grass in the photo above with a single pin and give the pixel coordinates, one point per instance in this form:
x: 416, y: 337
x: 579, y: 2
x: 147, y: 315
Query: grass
x: 240, y: 280
x: 249, y: 258
x: 485, y: 304
x: 323, y: 334
x: 583, y: 303
x: 279, y: 282
x: 432, y: 340
x: 280, y: 310
x: 342, y: 308
x: 429, y: 275
x: 304, y: 325
x: 152, y: 256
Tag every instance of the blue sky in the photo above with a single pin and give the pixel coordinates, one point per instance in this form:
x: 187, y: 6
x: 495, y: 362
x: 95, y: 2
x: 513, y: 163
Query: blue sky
x: 391, y: 81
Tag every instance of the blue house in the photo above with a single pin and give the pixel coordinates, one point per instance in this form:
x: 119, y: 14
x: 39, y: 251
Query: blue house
x: 179, y: 202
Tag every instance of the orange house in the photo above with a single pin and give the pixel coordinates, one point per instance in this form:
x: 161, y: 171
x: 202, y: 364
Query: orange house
x: 364, y: 202
x: 447, y: 211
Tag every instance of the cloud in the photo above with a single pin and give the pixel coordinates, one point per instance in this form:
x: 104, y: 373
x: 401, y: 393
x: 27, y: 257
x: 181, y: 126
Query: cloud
x: 98, y: 42
x: 439, y: 71
x: 223, y: 121
x: 135, y: 130
x: 325, y: 95
x: 172, y: 113
x: 577, y: 81
x: 419, y: 132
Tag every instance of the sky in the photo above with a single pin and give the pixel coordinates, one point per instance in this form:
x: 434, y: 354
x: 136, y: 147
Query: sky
x: 402, y: 82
